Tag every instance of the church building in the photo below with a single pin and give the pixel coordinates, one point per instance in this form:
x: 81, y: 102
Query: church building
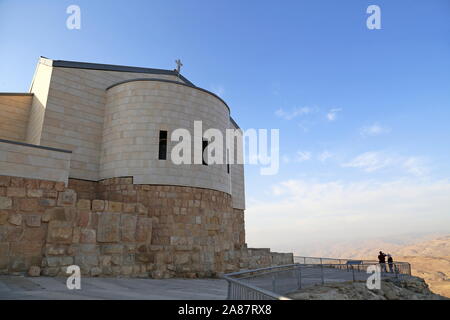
x: 86, y: 177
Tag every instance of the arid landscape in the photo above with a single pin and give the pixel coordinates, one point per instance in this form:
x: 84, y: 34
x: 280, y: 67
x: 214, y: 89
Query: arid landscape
x: 429, y: 256
x: 392, y: 289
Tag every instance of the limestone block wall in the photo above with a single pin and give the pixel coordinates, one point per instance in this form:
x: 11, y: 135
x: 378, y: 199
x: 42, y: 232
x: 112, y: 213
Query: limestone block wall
x: 23, y: 160
x: 185, y: 214
x: 74, y: 112
x: 135, y: 113
x: 40, y: 89
x: 155, y: 232
x: 14, y: 113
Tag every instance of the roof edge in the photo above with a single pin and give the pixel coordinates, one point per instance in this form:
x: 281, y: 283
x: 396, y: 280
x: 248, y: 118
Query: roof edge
x: 234, y: 123
x: 112, y: 67
x: 16, y: 94
x: 34, y: 146
x: 174, y: 82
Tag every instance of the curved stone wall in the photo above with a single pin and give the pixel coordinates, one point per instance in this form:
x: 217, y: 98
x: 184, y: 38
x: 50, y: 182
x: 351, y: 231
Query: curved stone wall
x: 124, y: 229
x: 135, y: 113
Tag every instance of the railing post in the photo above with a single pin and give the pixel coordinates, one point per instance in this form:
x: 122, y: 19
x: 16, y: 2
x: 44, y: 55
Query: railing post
x: 274, y: 287
x: 299, y: 278
x: 229, y: 291
x: 321, y: 273
x: 353, y: 274
x: 304, y: 260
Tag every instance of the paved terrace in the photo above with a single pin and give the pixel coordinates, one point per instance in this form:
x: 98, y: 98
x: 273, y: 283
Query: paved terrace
x: 45, y: 288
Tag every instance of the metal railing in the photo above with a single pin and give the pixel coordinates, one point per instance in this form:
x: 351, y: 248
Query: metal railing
x: 400, y: 268
x: 274, y: 283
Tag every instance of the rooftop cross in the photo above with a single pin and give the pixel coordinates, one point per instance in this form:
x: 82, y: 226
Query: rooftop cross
x: 179, y: 65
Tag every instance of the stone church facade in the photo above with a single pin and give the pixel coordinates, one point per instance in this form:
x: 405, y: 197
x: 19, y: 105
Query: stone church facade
x: 86, y: 177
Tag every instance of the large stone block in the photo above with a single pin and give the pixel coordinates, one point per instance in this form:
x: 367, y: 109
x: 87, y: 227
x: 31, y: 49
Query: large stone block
x: 14, y: 233
x: 4, y: 255
x: 46, y: 185
x: 114, y: 206
x: 129, y: 207
x: 35, y: 234
x: 17, y: 182
x: 35, y: 193
x: 5, y: 203
x: 26, y: 248
x: 15, y: 219
x: 55, y: 250
x: 60, y: 186
x: 16, y: 192
x: 47, y: 202
x: 5, y: 181
x: 84, y: 204
x: 67, y: 198
x: 182, y: 258
x: 144, y: 229
x: 54, y: 214
x: 88, y: 236
x: 108, y: 229
x: 98, y: 205
x: 60, y: 232
x: 3, y: 217
x: 29, y: 204
x: 34, y: 271
x: 83, y: 218
x: 128, y: 226
x: 32, y: 220
x: 112, y: 249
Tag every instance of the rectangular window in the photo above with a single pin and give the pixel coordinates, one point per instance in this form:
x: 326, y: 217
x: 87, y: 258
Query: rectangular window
x: 204, y: 146
x: 162, y: 145
x: 228, y: 162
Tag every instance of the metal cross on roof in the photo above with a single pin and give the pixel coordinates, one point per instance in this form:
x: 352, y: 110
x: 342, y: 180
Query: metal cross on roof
x: 179, y: 65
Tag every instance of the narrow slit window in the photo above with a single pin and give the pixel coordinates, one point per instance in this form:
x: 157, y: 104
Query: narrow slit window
x: 228, y: 162
x: 162, y: 145
x: 204, y: 146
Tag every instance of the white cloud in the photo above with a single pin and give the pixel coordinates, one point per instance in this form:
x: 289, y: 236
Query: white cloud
x: 377, y: 160
x: 370, y: 161
x: 374, y: 130
x: 294, y: 113
x: 303, y: 156
x: 324, y: 156
x: 332, y: 114
x: 416, y: 166
x: 301, y: 213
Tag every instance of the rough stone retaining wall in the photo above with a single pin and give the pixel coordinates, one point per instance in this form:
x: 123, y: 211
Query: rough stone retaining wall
x: 115, y: 228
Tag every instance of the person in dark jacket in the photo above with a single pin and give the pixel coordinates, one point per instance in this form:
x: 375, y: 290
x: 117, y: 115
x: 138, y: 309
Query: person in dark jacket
x: 390, y: 263
x: 382, y: 261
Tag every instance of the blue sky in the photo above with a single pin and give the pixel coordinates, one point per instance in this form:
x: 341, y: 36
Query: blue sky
x: 363, y: 114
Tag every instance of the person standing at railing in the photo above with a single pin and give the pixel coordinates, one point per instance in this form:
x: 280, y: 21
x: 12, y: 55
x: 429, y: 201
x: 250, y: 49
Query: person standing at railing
x: 390, y: 263
x: 382, y: 261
